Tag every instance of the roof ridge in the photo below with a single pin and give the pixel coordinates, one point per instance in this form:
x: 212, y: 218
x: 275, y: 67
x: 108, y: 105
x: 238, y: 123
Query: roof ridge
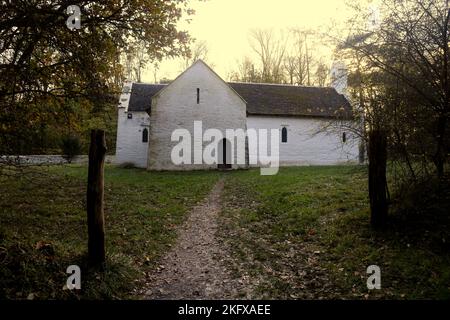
x: 281, y: 84
x: 150, y: 84
x: 250, y: 83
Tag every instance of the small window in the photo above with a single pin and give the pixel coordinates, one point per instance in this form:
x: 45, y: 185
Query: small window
x: 198, y: 95
x: 145, y: 135
x: 344, y: 137
x: 130, y: 116
x: 284, y: 135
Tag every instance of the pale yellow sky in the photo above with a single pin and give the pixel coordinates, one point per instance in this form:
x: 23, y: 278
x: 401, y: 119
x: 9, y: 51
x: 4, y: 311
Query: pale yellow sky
x: 225, y: 25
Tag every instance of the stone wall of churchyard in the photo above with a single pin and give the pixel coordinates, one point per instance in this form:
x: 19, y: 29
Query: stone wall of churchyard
x: 47, y: 159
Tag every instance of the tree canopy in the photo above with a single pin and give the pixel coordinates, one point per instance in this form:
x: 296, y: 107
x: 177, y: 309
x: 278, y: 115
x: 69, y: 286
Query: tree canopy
x: 52, y: 77
x: 399, y: 78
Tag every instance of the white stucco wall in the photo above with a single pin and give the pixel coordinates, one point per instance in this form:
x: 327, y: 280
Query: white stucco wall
x: 307, y: 147
x: 129, y: 145
x: 176, y: 107
x: 220, y: 107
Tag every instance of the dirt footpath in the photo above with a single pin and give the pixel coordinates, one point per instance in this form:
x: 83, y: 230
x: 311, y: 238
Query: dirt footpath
x: 195, y: 266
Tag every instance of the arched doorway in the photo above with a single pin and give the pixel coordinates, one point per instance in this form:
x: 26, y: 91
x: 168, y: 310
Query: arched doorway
x: 224, y: 155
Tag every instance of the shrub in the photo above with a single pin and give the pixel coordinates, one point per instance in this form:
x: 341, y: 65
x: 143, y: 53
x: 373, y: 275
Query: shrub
x: 71, y: 146
x: 127, y: 165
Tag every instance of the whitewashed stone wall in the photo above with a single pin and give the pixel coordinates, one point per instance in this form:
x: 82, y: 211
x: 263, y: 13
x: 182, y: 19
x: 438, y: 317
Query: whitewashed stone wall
x: 176, y: 107
x: 220, y: 107
x: 305, y: 145
x: 129, y: 145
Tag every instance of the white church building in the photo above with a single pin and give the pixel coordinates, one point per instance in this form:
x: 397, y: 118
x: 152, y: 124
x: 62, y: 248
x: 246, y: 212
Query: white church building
x: 148, y: 114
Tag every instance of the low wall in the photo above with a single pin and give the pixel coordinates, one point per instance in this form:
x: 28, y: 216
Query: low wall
x: 43, y: 159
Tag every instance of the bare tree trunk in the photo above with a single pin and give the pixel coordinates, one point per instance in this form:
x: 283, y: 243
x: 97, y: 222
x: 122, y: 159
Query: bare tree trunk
x: 439, y: 158
x: 362, y: 152
x: 307, y: 60
x: 95, y: 192
x: 377, y: 178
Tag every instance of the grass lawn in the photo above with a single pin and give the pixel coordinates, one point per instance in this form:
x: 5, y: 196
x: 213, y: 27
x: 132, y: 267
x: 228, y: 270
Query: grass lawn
x: 43, y: 228
x: 301, y: 234
x: 304, y: 233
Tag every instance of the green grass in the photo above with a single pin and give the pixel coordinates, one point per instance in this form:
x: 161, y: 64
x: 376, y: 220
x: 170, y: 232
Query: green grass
x: 304, y: 233
x: 46, y: 208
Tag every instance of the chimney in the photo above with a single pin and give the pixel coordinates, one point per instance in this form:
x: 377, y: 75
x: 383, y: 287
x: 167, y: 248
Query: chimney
x: 338, y: 76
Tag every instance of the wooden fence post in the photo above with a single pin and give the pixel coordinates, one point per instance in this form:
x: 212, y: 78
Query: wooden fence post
x: 377, y: 178
x: 95, y: 215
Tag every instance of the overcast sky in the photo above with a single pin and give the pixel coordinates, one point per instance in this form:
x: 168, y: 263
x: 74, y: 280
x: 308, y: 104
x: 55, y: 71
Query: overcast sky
x: 225, y: 24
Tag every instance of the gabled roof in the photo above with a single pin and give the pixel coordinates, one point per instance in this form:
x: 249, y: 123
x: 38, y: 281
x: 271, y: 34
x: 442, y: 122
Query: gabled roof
x: 266, y: 99
x: 141, y: 96
x: 203, y: 63
x: 289, y: 100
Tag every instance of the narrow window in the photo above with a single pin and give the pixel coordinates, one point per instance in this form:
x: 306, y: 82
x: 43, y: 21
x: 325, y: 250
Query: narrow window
x: 145, y: 135
x: 284, y: 135
x: 130, y: 116
x: 198, y: 95
x: 344, y: 137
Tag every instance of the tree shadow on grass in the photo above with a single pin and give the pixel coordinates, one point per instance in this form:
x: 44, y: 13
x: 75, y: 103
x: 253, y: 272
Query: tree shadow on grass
x: 421, y: 214
x: 39, y: 272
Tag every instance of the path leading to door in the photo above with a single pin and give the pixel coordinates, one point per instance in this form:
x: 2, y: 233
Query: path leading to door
x: 195, y: 266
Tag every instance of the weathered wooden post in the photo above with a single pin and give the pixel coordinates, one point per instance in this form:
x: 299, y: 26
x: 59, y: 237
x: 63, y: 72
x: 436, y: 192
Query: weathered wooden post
x: 377, y: 178
x: 96, y: 219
